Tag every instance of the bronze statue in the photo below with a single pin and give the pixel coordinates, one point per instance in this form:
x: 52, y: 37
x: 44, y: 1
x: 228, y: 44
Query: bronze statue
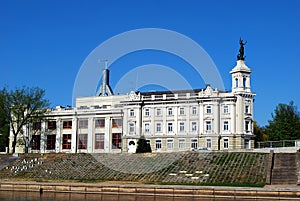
x: 240, y: 56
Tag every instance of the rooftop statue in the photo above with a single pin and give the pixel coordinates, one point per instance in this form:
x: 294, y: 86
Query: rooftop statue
x: 240, y: 56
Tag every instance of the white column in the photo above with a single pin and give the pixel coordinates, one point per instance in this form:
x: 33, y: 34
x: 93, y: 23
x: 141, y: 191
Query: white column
x: 125, y: 122
x: 175, y: 124
x: 74, y: 135
x: 90, y: 142
x: 164, y: 122
x: 107, y: 135
x: 216, y: 115
x: 232, y: 118
x: 152, y: 123
x: 43, y: 137
x: 58, y: 141
x: 201, y: 119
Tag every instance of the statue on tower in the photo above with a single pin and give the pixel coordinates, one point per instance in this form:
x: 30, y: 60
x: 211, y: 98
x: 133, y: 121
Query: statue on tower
x: 240, y: 56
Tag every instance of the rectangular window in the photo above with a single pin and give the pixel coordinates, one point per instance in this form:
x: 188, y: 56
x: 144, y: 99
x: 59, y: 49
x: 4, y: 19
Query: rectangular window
x: 51, y: 125
x: 131, y: 127
x: 181, y: 126
x: 99, y: 141
x: 208, y: 109
x: 208, y: 125
x: 116, y: 123
x: 247, y: 110
x: 157, y: 144
x: 247, y: 125
x: 36, y: 142
x: 226, y: 126
x: 67, y: 124
x: 170, y: 111
x: 116, y: 141
x: 181, y: 143
x: 131, y: 113
x: 147, y: 112
x: 147, y: 127
x: 170, y: 143
x: 208, y: 143
x: 170, y: 127
x: 194, y: 126
x: 82, y: 141
x: 67, y: 141
x: 158, y: 127
x: 36, y: 125
x: 194, y: 143
x: 158, y: 112
x: 226, y: 143
x: 51, y: 142
x: 181, y: 111
x: 100, y: 123
x: 83, y: 123
x: 194, y: 110
x: 225, y: 109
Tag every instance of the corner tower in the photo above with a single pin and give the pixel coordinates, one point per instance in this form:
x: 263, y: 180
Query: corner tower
x: 241, y: 73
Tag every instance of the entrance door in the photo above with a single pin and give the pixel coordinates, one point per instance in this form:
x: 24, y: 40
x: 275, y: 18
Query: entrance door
x: 131, y: 146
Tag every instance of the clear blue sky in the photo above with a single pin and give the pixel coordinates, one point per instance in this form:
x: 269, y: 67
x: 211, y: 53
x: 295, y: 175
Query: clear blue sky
x: 44, y: 43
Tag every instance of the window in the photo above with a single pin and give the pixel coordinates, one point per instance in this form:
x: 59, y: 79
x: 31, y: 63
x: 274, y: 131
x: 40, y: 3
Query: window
x: 67, y: 141
x: 158, y: 112
x: 67, y: 124
x: 36, y: 125
x: 170, y: 143
x: 208, y: 143
x: 194, y: 110
x: 116, y: 141
x: 147, y: 127
x: 225, y: 109
x: 131, y: 113
x: 116, y: 123
x: 170, y: 127
x: 225, y: 126
x: 236, y: 83
x: 131, y: 127
x: 181, y: 126
x: 181, y: 143
x: 226, y: 143
x: 158, y: 127
x: 147, y: 112
x: 247, y: 125
x: 208, y: 109
x: 82, y: 141
x: 247, y: 109
x: 51, y: 125
x: 181, y: 111
x: 208, y: 125
x: 157, y: 144
x: 99, y: 140
x: 36, y: 142
x: 100, y: 123
x: 170, y: 111
x: 51, y: 142
x: 194, y: 143
x: 194, y: 126
x: 244, y: 83
x: 83, y: 123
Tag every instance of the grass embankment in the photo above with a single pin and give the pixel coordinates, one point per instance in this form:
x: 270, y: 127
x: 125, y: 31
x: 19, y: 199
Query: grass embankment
x: 183, y: 168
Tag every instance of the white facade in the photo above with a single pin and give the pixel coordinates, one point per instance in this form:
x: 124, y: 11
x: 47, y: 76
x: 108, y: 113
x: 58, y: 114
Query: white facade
x: 169, y: 120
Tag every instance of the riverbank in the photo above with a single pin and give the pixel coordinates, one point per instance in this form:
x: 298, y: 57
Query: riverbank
x: 145, y: 192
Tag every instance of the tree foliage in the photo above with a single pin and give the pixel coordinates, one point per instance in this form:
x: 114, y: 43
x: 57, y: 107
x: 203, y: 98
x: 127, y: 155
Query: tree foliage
x: 285, y: 123
x: 143, y: 146
x: 20, y: 107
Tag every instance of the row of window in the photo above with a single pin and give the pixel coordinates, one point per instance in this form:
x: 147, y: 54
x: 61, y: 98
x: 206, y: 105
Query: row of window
x: 82, y: 141
x: 182, y: 143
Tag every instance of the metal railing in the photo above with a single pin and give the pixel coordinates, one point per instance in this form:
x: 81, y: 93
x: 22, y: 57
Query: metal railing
x: 281, y: 143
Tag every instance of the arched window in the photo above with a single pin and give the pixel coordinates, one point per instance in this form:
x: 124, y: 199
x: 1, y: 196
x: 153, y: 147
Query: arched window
x: 236, y: 83
x: 244, y: 82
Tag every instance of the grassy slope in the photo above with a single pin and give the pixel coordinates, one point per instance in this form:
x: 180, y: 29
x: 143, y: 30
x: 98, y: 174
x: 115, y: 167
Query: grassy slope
x: 189, y: 168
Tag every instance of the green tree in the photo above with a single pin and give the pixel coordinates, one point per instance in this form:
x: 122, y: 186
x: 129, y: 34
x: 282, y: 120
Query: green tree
x: 260, y: 133
x: 21, y: 107
x: 285, y: 123
x: 143, y: 146
x: 4, y: 125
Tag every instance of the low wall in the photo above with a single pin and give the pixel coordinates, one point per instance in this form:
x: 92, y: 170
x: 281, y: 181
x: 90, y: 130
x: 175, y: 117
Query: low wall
x: 156, y: 192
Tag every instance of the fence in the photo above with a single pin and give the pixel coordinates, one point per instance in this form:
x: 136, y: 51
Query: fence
x: 281, y: 143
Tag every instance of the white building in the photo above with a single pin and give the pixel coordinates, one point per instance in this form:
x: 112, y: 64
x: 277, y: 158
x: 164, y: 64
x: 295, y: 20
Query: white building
x: 169, y: 120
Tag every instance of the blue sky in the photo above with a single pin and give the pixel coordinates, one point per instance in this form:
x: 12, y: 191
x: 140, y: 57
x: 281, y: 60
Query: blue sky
x: 44, y: 43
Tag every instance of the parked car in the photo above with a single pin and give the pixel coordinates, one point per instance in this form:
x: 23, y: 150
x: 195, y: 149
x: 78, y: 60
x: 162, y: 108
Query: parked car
x: 199, y: 149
